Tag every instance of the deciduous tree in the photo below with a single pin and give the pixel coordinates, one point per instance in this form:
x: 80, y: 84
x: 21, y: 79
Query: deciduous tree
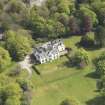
x: 17, y: 44
x: 5, y: 58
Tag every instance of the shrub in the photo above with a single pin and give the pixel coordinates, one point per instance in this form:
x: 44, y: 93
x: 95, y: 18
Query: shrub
x: 5, y: 59
x: 100, y: 65
x: 80, y: 58
x: 15, y: 72
x: 24, y: 84
x: 87, y: 40
x: 70, y: 102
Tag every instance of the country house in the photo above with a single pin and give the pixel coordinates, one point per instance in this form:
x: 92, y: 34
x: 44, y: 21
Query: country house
x: 50, y: 51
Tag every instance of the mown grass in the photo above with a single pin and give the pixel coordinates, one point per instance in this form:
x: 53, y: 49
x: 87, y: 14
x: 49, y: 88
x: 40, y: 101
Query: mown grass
x: 58, y: 80
x: 77, y: 85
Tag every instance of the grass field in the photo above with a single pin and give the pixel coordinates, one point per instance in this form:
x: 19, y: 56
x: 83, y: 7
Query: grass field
x: 59, y: 80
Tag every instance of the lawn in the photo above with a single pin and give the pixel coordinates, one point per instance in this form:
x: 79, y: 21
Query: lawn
x: 77, y: 85
x: 58, y: 80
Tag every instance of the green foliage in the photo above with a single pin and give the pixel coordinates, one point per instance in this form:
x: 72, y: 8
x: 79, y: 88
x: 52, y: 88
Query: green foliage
x: 24, y: 84
x: 13, y: 92
x: 17, y: 44
x: 61, y: 6
x: 81, y: 58
x: 13, y: 101
x: 99, y: 8
x: 12, y: 14
x: 15, y: 71
x: 37, y: 23
x: 87, y: 40
x: 51, y: 20
x: 5, y: 59
x: 100, y: 36
x: 15, y: 6
x: 102, y: 89
x: 55, y: 29
x: 88, y: 12
x: 101, y: 16
x: 74, y: 26
x: 98, y: 5
x: 10, y: 94
x: 101, y: 86
x: 4, y: 80
x: 70, y: 101
x: 100, y: 65
x: 63, y: 18
x: 45, y: 28
x: 12, y: 89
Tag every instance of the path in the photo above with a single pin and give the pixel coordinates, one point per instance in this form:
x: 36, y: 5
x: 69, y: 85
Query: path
x: 26, y: 64
x: 38, y: 2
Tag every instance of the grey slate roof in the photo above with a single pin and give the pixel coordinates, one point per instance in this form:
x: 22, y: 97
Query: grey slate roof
x: 48, y: 49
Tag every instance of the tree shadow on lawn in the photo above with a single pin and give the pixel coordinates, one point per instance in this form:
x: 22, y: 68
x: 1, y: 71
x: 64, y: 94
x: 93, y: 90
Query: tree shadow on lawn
x: 87, y: 47
x: 68, y: 63
x: 96, y: 101
x: 92, y: 75
x: 36, y: 70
